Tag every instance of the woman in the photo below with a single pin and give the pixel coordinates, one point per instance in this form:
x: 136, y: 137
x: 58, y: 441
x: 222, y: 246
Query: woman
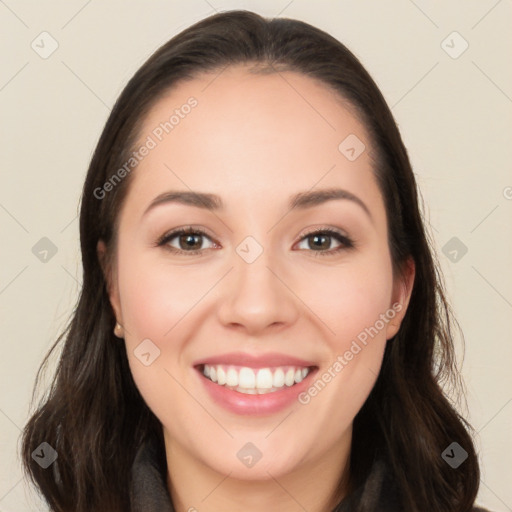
x: 291, y: 363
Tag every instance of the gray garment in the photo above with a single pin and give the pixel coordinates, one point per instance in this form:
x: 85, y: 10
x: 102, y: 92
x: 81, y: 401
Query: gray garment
x: 149, y: 492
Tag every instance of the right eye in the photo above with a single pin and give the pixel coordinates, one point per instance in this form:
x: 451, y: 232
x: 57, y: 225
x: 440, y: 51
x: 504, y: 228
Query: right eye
x: 187, y: 238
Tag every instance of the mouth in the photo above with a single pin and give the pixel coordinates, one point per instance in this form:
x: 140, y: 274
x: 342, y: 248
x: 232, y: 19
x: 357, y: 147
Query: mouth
x: 255, y: 381
x: 246, y: 385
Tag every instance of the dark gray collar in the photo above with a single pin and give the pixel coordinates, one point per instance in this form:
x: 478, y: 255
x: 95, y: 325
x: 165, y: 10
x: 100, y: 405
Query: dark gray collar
x: 149, y: 492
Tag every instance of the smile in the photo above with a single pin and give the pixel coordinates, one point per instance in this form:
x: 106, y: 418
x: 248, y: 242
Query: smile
x: 255, y: 381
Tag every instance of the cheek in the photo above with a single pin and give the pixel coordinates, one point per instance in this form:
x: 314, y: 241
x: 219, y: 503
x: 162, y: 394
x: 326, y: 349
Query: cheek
x: 354, y: 304
x: 156, y: 303
x: 156, y: 297
x: 350, y: 299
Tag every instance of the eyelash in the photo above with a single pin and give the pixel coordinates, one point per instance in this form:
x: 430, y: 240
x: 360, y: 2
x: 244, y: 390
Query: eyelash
x: 345, y: 241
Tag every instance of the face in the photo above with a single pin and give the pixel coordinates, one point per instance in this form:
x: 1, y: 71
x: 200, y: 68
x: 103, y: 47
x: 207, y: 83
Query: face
x: 283, y: 295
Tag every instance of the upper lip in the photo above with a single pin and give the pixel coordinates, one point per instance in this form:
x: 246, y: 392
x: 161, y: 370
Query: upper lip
x: 255, y: 361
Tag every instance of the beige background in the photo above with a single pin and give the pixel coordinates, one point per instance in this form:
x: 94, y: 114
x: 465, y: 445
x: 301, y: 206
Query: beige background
x: 454, y: 114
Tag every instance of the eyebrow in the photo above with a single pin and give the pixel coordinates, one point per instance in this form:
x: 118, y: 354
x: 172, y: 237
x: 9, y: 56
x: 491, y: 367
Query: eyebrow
x: 213, y: 202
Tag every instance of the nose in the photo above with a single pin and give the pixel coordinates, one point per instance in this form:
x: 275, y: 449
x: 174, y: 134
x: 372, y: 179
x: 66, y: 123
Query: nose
x: 257, y: 298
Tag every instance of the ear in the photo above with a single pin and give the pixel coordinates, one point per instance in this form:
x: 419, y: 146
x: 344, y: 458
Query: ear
x: 110, y: 279
x: 402, y: 290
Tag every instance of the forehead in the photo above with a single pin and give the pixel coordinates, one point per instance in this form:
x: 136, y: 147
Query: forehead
x: 264, y: 134
x: 242, y: 100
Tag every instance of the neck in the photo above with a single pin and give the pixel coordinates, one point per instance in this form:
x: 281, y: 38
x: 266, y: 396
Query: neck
x: 318, y: 485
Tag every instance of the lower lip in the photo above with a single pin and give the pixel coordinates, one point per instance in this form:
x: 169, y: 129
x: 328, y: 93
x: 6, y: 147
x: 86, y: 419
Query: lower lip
x: 244, y: 404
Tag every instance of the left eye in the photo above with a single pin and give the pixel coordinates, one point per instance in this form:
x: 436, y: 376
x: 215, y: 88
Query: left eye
x: 322, y: 240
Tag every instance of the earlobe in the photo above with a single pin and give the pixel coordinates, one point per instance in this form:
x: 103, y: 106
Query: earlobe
x: 110, y: 280
x: 401, y: 296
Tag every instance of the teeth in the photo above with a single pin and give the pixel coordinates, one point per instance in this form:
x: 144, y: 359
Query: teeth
x: 255, y: 381
x: 246, y: 378
x: 221, y: 376
x: 264, y: 379
x: 278, y: 379
x: 289, y: 379
x: 232, y: 377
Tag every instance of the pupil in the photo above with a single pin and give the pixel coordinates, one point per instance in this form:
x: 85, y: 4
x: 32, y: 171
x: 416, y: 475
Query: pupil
x: 189, y: 240
x: 320, y: 237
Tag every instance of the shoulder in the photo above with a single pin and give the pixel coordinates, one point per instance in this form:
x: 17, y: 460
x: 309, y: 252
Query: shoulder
x: 480, y: 509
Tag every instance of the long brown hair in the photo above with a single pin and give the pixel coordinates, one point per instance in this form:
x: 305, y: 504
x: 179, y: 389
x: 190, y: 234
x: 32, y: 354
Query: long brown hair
x: 93, y: 414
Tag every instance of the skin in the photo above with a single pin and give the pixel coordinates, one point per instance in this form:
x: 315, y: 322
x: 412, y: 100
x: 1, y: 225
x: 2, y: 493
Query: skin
x: 255, y: 141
